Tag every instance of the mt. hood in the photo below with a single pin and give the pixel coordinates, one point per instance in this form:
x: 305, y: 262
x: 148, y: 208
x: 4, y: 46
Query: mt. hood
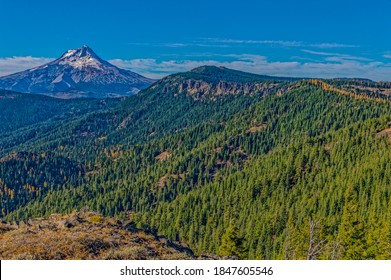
x: 77, y: 73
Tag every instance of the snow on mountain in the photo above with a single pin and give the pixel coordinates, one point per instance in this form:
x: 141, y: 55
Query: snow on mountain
x: 77, y: 73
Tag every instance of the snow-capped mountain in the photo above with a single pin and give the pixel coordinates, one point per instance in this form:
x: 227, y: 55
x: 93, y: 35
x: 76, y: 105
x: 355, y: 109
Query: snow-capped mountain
x: 77, y: 73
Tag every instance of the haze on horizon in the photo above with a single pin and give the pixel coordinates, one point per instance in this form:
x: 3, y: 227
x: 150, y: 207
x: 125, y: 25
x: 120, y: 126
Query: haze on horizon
x: 326, y: 39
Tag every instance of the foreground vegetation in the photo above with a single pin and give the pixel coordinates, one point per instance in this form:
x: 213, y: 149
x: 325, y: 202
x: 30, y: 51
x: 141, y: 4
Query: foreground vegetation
x: 84, y: 235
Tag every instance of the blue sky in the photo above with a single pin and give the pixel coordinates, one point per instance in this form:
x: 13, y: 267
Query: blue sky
x: 155, y: 38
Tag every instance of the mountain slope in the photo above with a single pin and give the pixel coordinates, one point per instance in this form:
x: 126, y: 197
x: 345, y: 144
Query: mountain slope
x: 302, y: 158
x: 77, y: 73
x: 25, y: 117
x: 209, y: 82
x: 155, y: 112
x: 23, y: 109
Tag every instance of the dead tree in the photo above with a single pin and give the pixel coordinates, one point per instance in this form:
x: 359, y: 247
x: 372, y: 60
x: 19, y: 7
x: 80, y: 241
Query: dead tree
x: 316, y: 245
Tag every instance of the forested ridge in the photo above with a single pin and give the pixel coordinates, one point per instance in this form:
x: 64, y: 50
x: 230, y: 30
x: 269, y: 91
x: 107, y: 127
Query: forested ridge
x: 291, y: 169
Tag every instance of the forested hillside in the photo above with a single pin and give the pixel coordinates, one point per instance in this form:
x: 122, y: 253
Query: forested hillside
x: 25, y: 117
x: 226, y: 162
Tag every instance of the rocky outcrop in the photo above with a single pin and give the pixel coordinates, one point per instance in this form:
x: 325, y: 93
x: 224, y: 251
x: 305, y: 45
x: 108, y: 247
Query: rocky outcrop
x: 85, y: 235
x: 199, y: 89
x: 209, y: 82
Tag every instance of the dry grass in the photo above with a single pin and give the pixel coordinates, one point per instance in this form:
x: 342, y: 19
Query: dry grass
x: 256, y: 128
x: 385, y: 132
x: 163, y: 156
x: 83, y: 235
x: 385, y: 91
x: 166, y: 178
x: 328, y: 146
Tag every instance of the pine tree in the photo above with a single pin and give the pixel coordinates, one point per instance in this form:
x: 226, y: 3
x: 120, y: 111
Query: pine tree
x: 352, y: 229
x: 231, y: 243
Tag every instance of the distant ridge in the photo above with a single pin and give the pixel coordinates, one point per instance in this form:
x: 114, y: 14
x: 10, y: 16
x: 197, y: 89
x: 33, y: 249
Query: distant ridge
x: 227, y: 74
x: 209, y: 82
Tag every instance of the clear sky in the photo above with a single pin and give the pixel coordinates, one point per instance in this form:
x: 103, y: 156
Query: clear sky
x: 333, y: 38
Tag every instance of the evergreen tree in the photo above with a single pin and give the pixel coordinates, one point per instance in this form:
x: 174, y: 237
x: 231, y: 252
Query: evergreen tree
x: 231, y: 243
x: 352, y: 234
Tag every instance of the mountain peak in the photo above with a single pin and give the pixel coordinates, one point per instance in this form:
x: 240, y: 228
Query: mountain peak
x: 77, y: 73
x: 208, y: 69
x: 83, y: 51
x: 81, y: 58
